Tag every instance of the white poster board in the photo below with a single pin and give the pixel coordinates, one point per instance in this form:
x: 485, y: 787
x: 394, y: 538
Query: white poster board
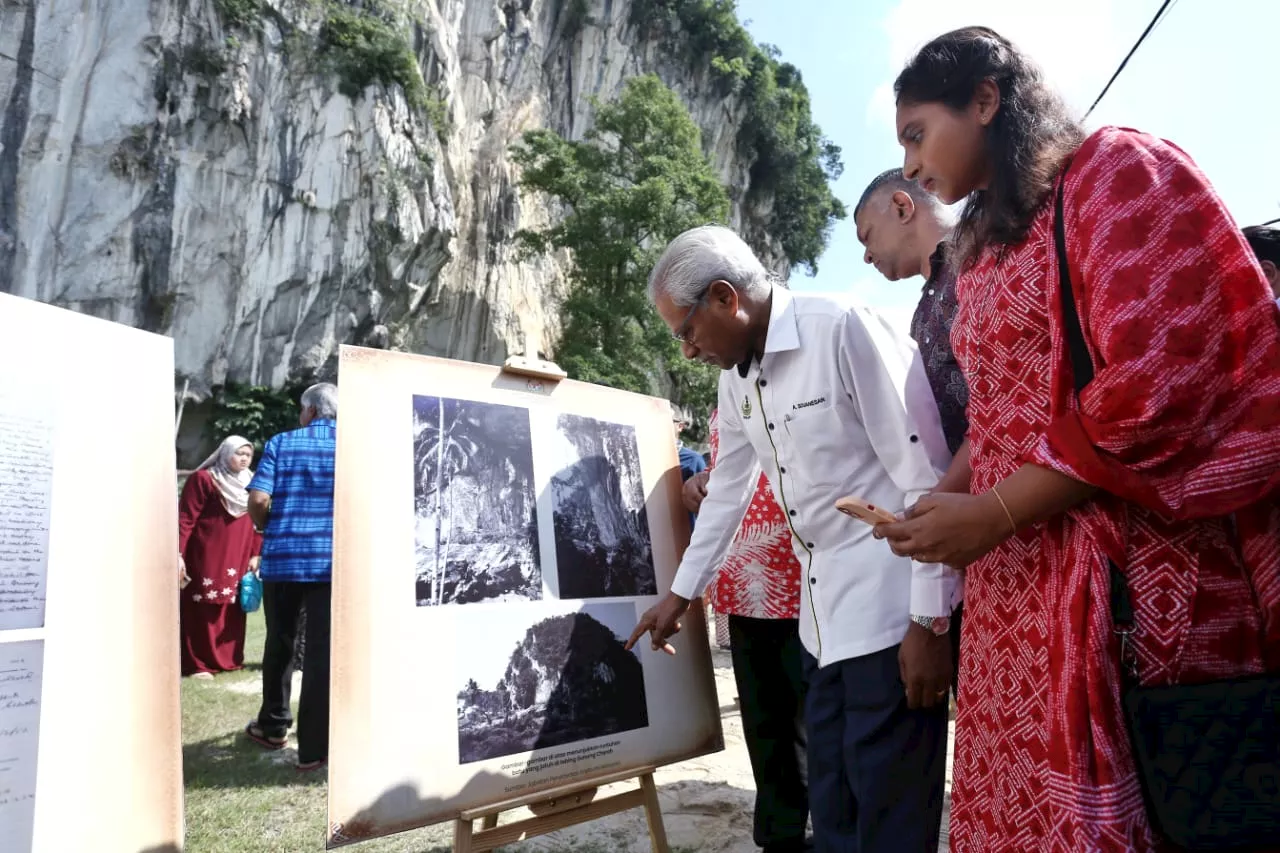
x: 90, y: 741
x: 496, y: 538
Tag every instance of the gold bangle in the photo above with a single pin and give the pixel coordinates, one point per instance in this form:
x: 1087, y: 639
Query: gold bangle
x: 1012, y: 524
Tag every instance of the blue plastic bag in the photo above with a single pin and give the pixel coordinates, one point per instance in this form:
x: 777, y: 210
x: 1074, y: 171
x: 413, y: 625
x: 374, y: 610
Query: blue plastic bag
x: 250, y: 592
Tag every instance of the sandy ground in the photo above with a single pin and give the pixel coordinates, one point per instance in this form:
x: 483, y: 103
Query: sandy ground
x: 706, y: 803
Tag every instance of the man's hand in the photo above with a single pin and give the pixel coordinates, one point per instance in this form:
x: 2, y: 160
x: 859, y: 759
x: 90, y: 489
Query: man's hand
x: 254, y: 563
x: 695, y: 489
x: 660, y: 622
x: 924, y: 661
x: 183, y: 577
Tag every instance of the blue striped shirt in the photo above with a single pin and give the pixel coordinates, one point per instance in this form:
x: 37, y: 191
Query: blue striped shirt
x: 296, y: 470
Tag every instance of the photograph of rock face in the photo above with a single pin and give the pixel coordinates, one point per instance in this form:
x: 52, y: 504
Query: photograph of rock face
x: 598, y: 508
x: 556, y: 680
x: 476, y: 527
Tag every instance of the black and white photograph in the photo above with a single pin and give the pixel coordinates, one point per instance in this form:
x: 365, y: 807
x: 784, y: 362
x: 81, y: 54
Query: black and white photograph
x: 476, y: 526
x: 543, y: 676
x: 601, y: 526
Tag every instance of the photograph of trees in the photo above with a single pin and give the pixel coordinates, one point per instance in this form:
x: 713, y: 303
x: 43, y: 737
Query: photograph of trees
x: 476, y: 532
x: 598, y: 509
x: 553, y: 680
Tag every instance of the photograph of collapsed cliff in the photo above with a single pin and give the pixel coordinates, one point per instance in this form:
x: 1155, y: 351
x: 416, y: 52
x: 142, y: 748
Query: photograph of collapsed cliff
x: 598, y: 509
x: 476, y: 528
x: 562, y: 679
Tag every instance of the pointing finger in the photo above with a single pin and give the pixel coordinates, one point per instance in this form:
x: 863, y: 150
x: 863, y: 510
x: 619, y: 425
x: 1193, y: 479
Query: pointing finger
x: 641, y: 629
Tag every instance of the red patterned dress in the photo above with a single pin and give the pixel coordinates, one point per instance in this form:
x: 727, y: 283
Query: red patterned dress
x: 216, y: 547
x: 760, y: 577
x: 1182, y: 421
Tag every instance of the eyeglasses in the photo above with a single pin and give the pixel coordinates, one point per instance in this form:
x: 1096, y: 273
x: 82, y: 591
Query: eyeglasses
x: 681, y: 333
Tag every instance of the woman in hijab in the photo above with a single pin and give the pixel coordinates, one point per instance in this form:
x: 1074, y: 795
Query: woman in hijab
x: 216, y: 547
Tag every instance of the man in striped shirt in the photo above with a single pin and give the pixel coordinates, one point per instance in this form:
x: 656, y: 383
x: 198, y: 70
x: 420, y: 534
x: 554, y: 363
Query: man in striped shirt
x: 291, y: 504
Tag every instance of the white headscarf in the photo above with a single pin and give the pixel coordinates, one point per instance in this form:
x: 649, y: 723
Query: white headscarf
x: 234, y: 487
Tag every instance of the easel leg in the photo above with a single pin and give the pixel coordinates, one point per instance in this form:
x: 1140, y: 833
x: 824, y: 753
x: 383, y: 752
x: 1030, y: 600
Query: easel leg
x: 462, y: 835
x: 653, y: 812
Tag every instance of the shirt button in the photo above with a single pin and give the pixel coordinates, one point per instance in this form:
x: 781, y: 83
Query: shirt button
x: 813, y: 581
x: 782, y: 470
x: 763, y: 383
x: 793, y: 512
x: 931, y: 291
x: 915, y: 438
x: 809, y: 545
x: 770, y: 426
x: 927, y: 339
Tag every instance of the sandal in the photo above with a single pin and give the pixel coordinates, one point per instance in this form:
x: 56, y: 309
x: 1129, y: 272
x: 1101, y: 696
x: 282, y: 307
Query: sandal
x: 309, y: 766
x: 254, y: 732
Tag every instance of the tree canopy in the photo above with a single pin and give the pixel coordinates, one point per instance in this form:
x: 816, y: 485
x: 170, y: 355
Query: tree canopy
x: 636, y: 180
x: 792, y: 163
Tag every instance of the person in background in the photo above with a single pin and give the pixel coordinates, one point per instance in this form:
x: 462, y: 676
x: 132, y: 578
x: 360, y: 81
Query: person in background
x: 829, y: 401
x: 1164, y: 465
x: 904, y: 232
x: 1265, y: 242
x: 691, y: 461
x: 757, y: 594
x: 291, y: 501
x: 216, y: 546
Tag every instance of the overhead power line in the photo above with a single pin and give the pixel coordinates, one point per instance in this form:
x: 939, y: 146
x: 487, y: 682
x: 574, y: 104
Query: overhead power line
x: 1155, y: 20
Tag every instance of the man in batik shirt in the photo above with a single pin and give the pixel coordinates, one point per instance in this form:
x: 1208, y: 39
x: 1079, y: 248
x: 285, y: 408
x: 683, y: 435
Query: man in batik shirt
x: 758, y: 588
x: 904, y: 232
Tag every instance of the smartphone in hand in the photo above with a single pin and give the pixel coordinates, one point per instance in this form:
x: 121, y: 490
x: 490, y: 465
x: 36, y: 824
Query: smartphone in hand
x: 864, y: 511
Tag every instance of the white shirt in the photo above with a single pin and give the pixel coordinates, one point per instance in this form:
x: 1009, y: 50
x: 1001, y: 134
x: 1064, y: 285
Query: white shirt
x: 837, y: 405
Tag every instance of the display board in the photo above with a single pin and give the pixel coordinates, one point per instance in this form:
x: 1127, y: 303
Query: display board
x: 90, y: 743
x: 496, y: 539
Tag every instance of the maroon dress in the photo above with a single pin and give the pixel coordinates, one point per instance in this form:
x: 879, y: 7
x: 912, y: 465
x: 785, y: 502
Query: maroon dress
x: 216, y: 548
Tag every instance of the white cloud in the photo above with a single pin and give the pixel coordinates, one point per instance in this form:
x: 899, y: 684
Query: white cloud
x: 1077, y: 43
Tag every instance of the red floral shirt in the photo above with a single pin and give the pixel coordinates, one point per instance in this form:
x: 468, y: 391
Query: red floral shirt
x: 760, y: 577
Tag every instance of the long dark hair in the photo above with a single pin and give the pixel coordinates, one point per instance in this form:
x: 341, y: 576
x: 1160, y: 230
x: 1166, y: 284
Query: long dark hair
x: 1031, y: 137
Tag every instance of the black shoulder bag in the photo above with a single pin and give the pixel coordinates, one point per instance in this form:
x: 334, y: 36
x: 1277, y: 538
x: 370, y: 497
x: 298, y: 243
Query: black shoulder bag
x: 1208, y: 755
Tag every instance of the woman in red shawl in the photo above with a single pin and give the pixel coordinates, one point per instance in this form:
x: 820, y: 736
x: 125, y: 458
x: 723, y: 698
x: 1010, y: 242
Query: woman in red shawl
x: 1179, y: 429
x: 216, y: 546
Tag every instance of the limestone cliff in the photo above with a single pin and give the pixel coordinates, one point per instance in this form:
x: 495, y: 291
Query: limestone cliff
x: 197, y: 168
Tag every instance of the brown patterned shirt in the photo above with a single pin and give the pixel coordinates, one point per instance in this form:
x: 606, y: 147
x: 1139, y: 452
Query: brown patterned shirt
x: 931, y: 329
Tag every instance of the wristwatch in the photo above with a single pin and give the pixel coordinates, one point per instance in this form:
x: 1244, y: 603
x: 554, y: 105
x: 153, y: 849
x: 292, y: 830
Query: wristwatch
x: 939, y: 625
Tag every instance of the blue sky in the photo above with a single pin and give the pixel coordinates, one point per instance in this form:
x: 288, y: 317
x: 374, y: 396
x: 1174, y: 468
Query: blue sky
x: 1200, y: 80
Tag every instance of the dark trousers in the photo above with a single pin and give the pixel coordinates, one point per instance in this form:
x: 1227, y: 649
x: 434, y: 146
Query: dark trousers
x: 768, y: 669
x: 876, y: 768
x: 281, y: 604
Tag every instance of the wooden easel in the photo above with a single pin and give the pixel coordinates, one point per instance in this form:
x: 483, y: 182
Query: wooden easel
x: 567, y: 805
x: 559, y: 808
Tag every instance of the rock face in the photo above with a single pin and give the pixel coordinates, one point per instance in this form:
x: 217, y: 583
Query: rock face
x: 601, y: 526
x: 475, y: 502
x: 570, y: 679
x: 168, y: 165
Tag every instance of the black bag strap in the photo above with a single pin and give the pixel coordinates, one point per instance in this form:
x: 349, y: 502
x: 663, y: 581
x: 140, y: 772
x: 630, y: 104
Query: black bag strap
x: 1081, y: 361
x: 1082, y: 374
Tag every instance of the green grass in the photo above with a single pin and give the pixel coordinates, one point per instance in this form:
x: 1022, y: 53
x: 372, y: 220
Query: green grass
x: 242, y: 799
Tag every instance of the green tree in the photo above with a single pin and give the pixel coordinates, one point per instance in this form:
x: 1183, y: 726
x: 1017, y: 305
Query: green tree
x: 792, y: 163
x: 636, y: 180
x: 254, y: 411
